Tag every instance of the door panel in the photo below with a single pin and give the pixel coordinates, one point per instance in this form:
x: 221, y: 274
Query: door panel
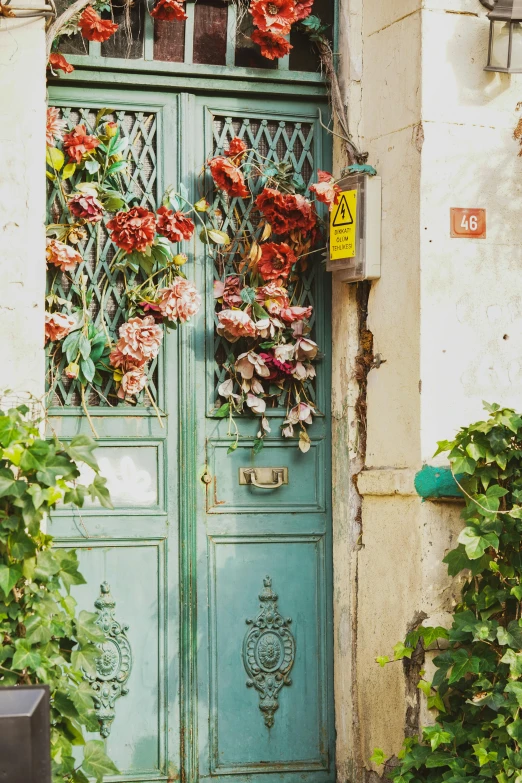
x: 187, y: 563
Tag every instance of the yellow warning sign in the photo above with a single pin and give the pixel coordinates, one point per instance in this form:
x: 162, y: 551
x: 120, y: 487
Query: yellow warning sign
x: 343, y: 222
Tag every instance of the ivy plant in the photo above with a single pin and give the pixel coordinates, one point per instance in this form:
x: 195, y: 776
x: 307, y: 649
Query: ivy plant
x: 477, y: 687
x: 44, y: 638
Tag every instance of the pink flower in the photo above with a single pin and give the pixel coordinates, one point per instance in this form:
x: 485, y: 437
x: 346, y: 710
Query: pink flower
x: 295, y: 313
x: 140, y: 339
x: 58, y: 326
x: 61, y: 255
x: 55, y: 126
x: 303, y: 371
x: 273, y: 297
x: 255, y: 404
x: 132, y: 383
x: 234, y: 324
x: 86, y: 206
x: 120, y: 361
x: 179, y: 301
x: 325, y: 189
x: 300, y: 412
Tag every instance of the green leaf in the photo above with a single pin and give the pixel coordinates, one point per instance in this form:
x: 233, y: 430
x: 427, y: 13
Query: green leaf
x: 68, y: 171
x: 55, y: 158
x: 47, y: 565
x: 86, y: 628
x: 382, y: 660
x: 64, y: 704
x: 515, y: 730
x: 476, y: 543
x: 222, y: 412
x: 218, y: 237
x: 120, y: 165
x: 401, y: 651
x: 9, y: 576
x: 103, y: 113
x: 96, y: 762
x: 84, y: 659
x: 88, y: 369
x: 378, y: 756
x: 81, y: 449
x: 98, y: 491
x: 25, y: 657
x: 84, y: 346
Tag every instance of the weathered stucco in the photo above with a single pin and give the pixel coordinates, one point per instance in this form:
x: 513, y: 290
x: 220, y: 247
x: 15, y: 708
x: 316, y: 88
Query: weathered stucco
x: 22, y: 204
x: 445, y: 318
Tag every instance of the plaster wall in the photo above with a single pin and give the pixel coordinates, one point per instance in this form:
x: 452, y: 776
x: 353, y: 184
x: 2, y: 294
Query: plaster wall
x: 22, y: 204
x: 446, y: 321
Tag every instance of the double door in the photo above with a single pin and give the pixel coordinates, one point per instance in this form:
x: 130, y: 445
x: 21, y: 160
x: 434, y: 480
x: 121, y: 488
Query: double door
x: 217, y: 594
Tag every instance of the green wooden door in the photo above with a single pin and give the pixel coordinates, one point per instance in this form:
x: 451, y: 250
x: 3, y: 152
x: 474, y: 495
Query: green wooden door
x: 218, y: 594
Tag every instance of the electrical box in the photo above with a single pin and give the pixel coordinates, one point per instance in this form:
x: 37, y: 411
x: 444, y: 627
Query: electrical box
x: 354, y: 251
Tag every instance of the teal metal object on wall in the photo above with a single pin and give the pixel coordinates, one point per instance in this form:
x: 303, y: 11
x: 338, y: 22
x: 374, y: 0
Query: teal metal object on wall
x: 433, y: 482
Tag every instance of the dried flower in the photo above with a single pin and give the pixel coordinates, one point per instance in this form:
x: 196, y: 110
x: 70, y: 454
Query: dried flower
x: 273, y: 46
x: 168, y: 11
x: 180, y: 259
x: 61, y: 255
x: 78, y: 142
x: 276, y: 369
x: 94, y: 28
x: 276, y: 261
x: 133, y: 230
x: 275, y: 16
x: 273, y: 297
x: 286, y: 212
x: 72, y: 371
x: 132, y: 382
x: 55, y: 126
x: 234, y: 324
x: 325, y: 189
x: 59, y: 63
x: 236, y: 149
x: 85, y: 206
x: 302, y: 9
x: 250, y: 362
x: 305, y: 349
x: 58, y: 326
x: 140, y: 339
x: 228, y: 177
x: 255, y: 404
x: 179, y: 301
x: 295, y: 313
x: 175, y: 226
x: 110, y: 129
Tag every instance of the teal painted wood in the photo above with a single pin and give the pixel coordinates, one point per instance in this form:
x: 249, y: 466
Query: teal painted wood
x: 185, y: 562
x: 434, y: 482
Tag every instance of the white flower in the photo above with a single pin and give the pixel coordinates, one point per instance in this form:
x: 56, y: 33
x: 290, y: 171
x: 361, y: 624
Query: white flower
x: 305, y: 349
x: 288, y: 431
x: 248, y: 363
x: 284, y: 352
x: 303, y: 371
x: 226, y: 389
x: 256, y: 404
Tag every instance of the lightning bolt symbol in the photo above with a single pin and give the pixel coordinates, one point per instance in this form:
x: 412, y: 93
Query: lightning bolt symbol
x: 343, y: 210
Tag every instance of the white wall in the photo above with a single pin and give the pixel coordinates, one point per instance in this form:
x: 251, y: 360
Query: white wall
x: 22, y: 204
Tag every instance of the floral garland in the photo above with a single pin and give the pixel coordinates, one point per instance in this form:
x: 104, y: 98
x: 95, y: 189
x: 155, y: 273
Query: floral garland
x: 260, y: 305
x: 273, y: 21
x: 260, y: 310
x: 156, y: 292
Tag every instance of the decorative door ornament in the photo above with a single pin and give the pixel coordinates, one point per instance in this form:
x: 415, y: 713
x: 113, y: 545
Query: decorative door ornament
x: 268, y: 653
x: 113, y: 667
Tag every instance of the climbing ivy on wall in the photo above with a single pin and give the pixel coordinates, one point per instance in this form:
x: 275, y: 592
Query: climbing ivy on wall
x: 477, y: 687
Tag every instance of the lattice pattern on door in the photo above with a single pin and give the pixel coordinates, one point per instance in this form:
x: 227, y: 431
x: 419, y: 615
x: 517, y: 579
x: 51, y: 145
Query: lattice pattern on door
x: 277, y: 141
x: 107, y: 285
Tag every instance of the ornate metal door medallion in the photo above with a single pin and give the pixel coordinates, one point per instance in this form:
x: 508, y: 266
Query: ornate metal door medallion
x: 113, y: 667
x: 268, y: 653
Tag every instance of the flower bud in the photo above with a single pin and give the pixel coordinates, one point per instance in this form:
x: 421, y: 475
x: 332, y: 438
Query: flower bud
x: 111, y: 129
x: 117, y: 157
x: 180, y: 259
x: 72, y: 370
x: 202, y: 205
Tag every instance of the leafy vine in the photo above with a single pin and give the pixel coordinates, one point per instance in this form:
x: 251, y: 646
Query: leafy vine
x: 477, y: 688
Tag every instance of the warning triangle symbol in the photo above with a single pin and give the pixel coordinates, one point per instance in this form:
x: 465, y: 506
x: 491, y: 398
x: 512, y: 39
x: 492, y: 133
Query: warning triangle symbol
x: 343, y: 216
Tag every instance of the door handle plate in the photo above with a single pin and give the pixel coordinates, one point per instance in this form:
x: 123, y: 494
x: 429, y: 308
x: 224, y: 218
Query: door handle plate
x: 263, y: 478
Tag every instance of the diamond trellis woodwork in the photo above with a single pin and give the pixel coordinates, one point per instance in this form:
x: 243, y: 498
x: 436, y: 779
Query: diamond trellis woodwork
x: 107, y: 286
x: 276, y: 141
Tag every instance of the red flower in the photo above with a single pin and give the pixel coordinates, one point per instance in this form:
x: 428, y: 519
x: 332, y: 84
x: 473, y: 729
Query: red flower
x: 236, y: 149
x: 59, y: 63
x: 168, y: 10
x: 303, y: 8
x: 276, y: 261
x: 85, y: 206
x: 228, y: 177
x: 286, y: 212
x: 277, y: 369
x: 174, y: 225
x: 78, y: 142
x: 94, y: 28
x: 133, y: 230
x: 272, y: 45
x: 275, y: 16
x: 326, y: 190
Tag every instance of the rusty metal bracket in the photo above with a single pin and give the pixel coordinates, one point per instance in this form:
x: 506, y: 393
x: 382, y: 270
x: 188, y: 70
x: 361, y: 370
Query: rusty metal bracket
x: 489, y: 4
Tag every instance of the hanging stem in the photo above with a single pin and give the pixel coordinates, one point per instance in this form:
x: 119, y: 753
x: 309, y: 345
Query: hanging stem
x: 151, y: 398
x: 86, y: 411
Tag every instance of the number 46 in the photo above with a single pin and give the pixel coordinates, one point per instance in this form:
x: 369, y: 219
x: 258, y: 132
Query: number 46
x: 469, y: 224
